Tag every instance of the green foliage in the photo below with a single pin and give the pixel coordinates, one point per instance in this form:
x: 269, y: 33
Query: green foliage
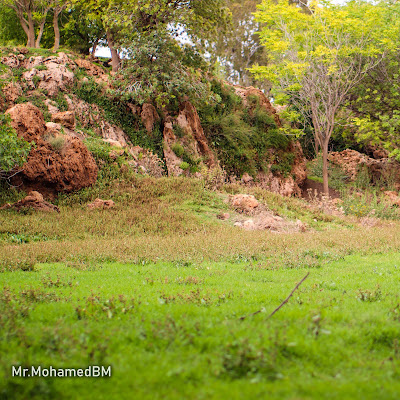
x: 155, y: 71
x: 13, y: 150
x: 117, y: 112
x: 184, y: 166
x: 178, y: 149
x: 11, y: 32
x: 243, y: 137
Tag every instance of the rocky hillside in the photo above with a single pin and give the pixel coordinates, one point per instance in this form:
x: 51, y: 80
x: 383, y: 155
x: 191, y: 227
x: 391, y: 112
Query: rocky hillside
x: 63, y: 104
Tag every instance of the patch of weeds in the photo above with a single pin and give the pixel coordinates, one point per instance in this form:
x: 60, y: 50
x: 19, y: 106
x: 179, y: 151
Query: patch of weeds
x: 179, y: 131
x: 368, y: 204
x: 18, y: 72
x: 178, y: 149
x: 20, y: 238
x: 57, y: 142
x: 242, y: 359
x: 48, y: 281
x: 20, y: 264
x: 36, y: 295
x: 115, y: 306
x: 41, y: 67
x: 166, y: 332
x: 184, y: 166
x: 189, y: 280
x: 61, y: 102
x: 182, y: 264
x: 36, y: 80
x: 369, y: 296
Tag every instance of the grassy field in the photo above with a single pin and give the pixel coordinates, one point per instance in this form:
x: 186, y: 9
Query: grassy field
x: 156, y: 289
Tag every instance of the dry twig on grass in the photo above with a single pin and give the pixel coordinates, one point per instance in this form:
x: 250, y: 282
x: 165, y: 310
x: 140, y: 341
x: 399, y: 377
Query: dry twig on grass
x: 281, y: 305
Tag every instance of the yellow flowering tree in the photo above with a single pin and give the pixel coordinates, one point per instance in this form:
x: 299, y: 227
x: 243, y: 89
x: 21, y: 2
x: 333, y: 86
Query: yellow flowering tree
x: 319, y: 52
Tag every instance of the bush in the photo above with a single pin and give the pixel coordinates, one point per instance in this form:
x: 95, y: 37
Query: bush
x: 13, y: 150
x: 178, y: 149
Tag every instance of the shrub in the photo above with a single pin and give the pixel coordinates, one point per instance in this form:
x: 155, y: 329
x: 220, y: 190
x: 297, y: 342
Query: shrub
x: 13, y: 150
x: 184, y: 165
x: 178, y: 149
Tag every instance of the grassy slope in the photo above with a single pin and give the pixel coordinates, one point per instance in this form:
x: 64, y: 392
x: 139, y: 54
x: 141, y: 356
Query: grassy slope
x: 191, y: 277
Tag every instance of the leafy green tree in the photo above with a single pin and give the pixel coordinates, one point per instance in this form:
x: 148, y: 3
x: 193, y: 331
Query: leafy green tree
x: 13, y: 150
x: 10, y: 28
x: 317, y: 57
x: 80, y: 30
x: 32, y: 17
x: 239, y: 47
x: 156, y: 69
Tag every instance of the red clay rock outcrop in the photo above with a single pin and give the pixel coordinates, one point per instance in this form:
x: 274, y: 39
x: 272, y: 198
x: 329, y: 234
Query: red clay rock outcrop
x: 34, y: 200
x: 149, y: 117
x: 352, y: 162
x: 193, y: 141
x: 47, y: 169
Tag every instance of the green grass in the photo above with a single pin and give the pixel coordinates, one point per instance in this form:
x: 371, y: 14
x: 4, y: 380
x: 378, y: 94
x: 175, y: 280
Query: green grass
x: 176, y: 332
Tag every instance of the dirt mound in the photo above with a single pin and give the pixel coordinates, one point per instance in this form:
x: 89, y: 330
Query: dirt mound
x: 255, y: 216
x: 61, y: 165
x: 33, y: 200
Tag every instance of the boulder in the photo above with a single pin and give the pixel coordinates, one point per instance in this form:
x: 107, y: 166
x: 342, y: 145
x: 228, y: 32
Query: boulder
x: 99, y: 203
x: 244, y: 202
x: 65, y: 118
x: 55, y: 77
x: 50, y: 170
x: 353, y: 162
x: 11, y: 92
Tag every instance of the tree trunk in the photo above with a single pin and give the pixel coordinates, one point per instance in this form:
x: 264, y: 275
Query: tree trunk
x: 94, y: 48
x: 325, y: 167
x: 31, y: 31
x: 115, y: 60
x: 40, y: 34
x: 56, y: 31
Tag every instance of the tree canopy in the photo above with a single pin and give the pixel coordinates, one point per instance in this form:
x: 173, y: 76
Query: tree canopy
x: 317, y: 57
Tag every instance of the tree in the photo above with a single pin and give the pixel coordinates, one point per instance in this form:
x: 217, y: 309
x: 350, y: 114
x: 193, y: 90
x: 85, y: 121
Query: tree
x: 239, y: 48
x: 81, y: 31
x: 158, y: 67
x: 58, y: 7
x: 317, y: 57
x: 31, y: 15
x: 13, y: 150
x: 10, y: 27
